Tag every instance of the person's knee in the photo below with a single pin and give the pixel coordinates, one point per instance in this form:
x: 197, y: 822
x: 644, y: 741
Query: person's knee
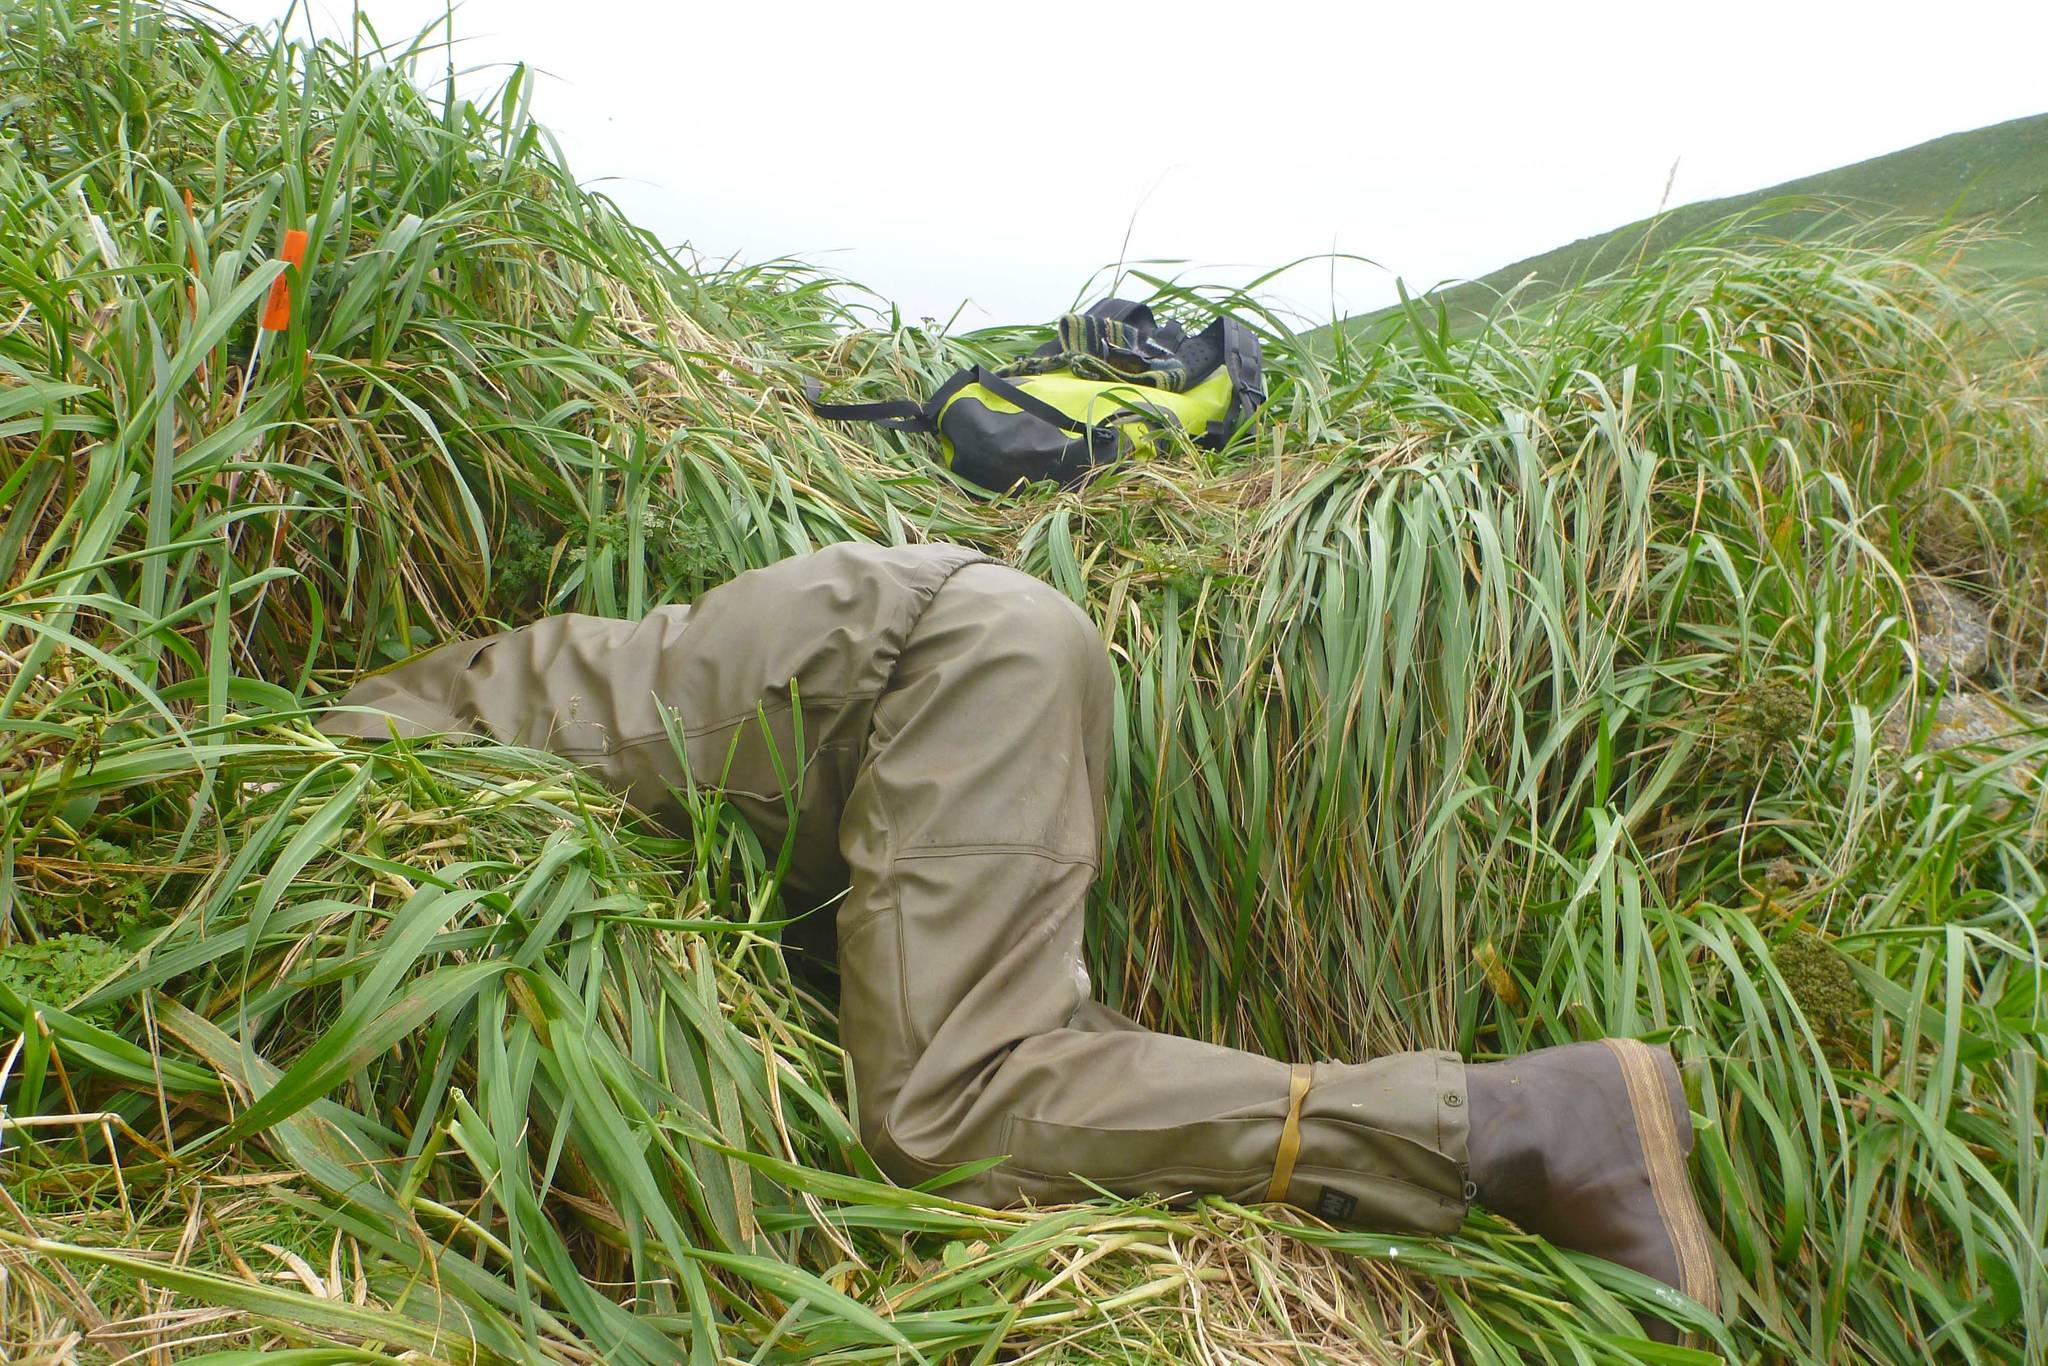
x: 878, y: 1136
x: 896, y: 1164
x: 1036, y: 618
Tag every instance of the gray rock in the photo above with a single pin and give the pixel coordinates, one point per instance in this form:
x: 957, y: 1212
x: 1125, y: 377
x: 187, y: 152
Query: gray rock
x: 1953, y: 634
x: 1965, y: 718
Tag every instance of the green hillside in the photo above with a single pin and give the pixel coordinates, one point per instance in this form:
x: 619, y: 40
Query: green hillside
x: 1997, y: 176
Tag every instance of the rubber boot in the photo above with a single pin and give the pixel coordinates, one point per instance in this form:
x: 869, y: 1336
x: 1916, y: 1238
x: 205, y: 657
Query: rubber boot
x: 1585, y: 1145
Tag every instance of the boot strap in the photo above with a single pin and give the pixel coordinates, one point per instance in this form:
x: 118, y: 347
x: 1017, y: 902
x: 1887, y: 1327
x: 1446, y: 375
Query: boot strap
x: 1290, y: 1132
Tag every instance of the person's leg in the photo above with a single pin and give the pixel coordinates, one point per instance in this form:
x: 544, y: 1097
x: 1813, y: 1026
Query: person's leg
x: 771, y: 680
x: 578, y: 686
x: 950, y: 738
x: 972, y: 833
x: 952, y: 731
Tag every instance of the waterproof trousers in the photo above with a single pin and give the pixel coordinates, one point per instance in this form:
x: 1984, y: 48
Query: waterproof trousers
x: 940, y: 726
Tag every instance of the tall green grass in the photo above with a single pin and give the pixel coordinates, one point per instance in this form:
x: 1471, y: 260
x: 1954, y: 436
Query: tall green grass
x: 1496, y: 693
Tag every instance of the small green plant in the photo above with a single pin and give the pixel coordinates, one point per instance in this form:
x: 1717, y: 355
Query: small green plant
x: 60, y: 970
x: 524, y: 564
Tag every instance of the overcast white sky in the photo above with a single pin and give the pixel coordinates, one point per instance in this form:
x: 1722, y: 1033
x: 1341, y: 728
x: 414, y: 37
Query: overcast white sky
x: 991, y: 158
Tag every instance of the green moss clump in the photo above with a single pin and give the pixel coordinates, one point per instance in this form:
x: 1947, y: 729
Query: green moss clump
x: 1818, y: 977
x: 1773, y: 716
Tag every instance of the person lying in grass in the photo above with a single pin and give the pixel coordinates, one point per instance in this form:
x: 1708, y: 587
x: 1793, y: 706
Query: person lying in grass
x: 930, y: 732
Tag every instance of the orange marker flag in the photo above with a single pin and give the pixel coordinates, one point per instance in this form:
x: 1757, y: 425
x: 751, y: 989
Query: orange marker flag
x: 192, y: 290
x: 192, y: 285
x: 277, y: 310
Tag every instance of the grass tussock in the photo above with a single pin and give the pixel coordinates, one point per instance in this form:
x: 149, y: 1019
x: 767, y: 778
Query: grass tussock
x: 1559, y: 681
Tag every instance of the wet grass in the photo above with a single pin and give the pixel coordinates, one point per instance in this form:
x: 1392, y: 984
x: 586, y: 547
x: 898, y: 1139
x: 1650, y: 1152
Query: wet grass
x: 1497, y: 692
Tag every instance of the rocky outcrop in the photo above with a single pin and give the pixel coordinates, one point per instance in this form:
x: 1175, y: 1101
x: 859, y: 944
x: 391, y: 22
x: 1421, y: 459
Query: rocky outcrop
x: 1952, y: 643
x: 1952, y: 634
x: 1967, y: 718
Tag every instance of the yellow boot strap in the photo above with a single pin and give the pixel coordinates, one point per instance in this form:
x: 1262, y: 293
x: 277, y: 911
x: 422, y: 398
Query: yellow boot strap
x: 1290, y: 1132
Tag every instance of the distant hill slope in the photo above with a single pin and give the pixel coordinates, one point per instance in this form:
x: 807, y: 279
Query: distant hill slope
x: 1999, y: 172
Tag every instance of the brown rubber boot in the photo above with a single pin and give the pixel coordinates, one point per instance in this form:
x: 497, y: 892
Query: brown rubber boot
x: 1585, y: 1145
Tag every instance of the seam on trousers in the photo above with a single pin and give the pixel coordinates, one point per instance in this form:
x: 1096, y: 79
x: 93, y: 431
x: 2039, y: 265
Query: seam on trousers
x: 923, y: 600
x: 830, y: 701
x: 775, y: 707
x: 803, y: 768
x: 1245, y: 1175
x: 698, y: 732
x: 1334, y: 1126
x: 848, y: 928
x: 892, y: 904
x: 1436, y: 1103
x: 447, y: 698
x: 919, y: 851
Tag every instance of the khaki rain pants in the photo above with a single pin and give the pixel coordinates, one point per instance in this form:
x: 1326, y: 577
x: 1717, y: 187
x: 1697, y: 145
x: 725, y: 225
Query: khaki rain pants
x: 955, y: 721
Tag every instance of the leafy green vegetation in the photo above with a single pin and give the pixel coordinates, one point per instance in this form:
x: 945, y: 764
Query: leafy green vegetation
x: 1563, y: 680
x: 1996, y: 176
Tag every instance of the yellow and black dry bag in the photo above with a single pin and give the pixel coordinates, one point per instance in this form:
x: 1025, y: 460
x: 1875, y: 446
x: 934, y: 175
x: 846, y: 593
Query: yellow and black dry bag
x: 1112, y: 380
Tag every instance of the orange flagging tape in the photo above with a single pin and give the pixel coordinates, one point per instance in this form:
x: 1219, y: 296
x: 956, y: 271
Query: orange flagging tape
x: 277, y: 311
x: 1290, y: 1132
x: 192, y: 285
x: 192, y: 289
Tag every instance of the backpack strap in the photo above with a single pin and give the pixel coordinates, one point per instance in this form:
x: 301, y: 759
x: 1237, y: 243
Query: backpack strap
x: 1009, y: 393
x: 1168, y: 334
x: 1230, y: 345
x: 897, y: 414
x: 903, y: 415
x: 1246, y: 367
x: 1122, y: 311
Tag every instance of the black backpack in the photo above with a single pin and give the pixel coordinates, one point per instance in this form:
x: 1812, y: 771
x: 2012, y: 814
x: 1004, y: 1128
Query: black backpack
x: 1114, y: 378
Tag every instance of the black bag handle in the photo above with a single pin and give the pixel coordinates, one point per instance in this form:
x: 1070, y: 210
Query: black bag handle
x: 1122, y: 311
x: 1005, y: 390
x: 902, y: 415
x: 1168, y: 334
x: 897, y: 414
